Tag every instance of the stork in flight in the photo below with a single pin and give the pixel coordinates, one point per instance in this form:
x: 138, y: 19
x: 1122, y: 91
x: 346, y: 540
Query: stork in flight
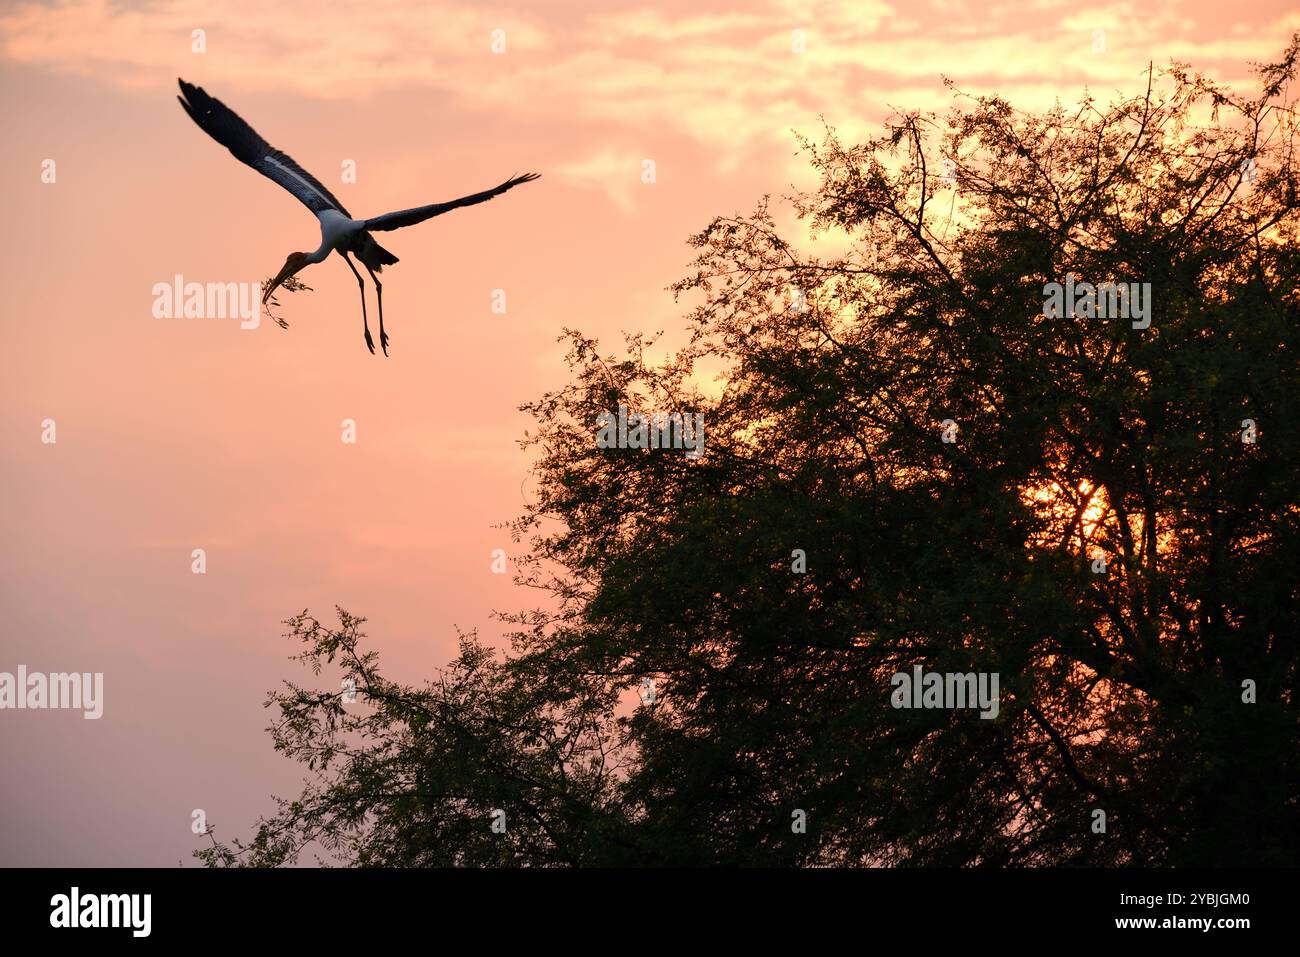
x: 339, y: 231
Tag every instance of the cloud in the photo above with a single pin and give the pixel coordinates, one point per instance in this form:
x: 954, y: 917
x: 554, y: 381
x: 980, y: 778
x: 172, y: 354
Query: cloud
x: 616, y: 174
x: 732, y: 83
x: 315, y: 49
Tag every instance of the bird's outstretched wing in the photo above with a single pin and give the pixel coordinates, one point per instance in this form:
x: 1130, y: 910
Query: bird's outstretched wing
x: 409, y: 217
x: 225, y: 126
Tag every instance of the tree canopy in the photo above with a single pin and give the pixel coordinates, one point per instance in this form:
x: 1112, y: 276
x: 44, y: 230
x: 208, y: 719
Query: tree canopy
x: 909, y: 461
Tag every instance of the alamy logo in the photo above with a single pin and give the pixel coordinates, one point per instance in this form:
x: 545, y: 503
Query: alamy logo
x: 656, y: 430
x: 946, y: 690
x: 74, y: 690
x: 215, y: 300
x: 103, y: 910
x: 1125, y: 300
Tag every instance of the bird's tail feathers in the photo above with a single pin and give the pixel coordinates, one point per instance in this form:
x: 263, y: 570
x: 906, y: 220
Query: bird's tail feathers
x: 374, y: 255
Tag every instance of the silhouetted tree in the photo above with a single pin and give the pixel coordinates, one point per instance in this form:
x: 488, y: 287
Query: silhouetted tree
x: 1078, y: 444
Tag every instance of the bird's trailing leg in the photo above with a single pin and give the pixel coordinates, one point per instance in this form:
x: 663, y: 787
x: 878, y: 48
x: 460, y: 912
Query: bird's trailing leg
x: 379, y: 297
x: 361, y: 283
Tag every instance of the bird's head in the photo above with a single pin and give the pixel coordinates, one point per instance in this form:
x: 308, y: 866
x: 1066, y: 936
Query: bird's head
x: 294, y: 263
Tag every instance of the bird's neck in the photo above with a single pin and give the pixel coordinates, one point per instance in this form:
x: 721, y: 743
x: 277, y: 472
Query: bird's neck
x: 320, y: 255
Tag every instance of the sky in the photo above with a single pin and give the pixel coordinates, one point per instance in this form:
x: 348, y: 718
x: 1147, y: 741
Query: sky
x: 176, y: 434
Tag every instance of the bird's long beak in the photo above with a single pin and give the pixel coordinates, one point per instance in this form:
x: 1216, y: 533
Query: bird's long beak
x: 285, y: 273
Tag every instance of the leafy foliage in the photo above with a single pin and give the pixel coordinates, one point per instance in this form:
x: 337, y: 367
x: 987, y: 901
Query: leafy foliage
x: 289, y: 284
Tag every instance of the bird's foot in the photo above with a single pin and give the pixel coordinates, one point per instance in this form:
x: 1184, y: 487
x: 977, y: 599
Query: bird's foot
x: 383, y: 341
x: 370, y: 343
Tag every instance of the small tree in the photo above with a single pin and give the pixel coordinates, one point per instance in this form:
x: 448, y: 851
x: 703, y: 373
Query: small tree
x: 417, y: 777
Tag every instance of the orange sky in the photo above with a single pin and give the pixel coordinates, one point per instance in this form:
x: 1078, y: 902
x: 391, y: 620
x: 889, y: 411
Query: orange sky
x: 178, y: 434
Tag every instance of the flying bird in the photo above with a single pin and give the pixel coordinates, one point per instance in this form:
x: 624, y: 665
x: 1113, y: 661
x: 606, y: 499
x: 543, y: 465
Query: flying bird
x: 339, y: 231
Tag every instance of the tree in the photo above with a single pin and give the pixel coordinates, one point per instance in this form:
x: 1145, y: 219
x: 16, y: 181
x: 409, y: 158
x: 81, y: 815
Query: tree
x: 913, y: 460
